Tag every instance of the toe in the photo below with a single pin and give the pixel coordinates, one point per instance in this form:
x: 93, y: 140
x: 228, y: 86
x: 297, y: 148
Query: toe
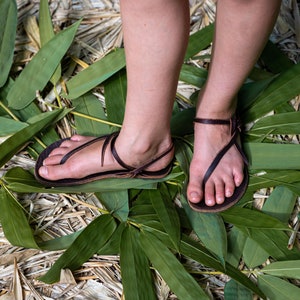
x: 194, y: 191
x: 219, y: 192
x: 209, y: 193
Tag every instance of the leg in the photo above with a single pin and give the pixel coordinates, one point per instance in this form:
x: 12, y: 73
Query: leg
x: 155, y: 35
x: 242, y: 29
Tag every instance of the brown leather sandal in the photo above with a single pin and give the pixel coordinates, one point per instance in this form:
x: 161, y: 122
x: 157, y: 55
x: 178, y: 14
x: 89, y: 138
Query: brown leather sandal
x: 125, y: 170
x: 239, y: 191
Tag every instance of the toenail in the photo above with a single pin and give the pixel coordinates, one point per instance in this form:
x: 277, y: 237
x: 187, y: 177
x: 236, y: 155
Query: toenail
x: 228, y: 193
x: 43, y: 171
x: 194, y: 196
x: 210, y: 202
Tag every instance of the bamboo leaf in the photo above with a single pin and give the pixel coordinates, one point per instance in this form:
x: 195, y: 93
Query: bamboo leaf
x: 280, y: 204
x: 115, y: 96
x: 284, y: 123
x: 135, y: 269
x: 201, y: 254
x: 14, y: 221
x: 47, y: 33
x: 274, y: 242
x: 24, y: 182
x: 98, y: 231
x: 8, y: 27
x: 172, y: 271
x: 273, y: 156
x: 251, y: 219
x: 167, y: 214
x: 253, y: 254
x: 210, y: 229
x: 46, y: 60
x: 278, y: 289
x: 193, y: 75
x: 280, y: 90
x: 236, y: 245
x: 95, y: 74
x: 199, y: 41
x: 233, y: 291
x: 289, y: 269
x: 90, y: 106
x: 116, y: 202
x: 9, y: 126
x: 14, y: 144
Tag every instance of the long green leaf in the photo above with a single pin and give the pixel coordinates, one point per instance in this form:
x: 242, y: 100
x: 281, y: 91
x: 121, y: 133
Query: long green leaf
x: 115, y: 89
x: 13, y: 144
x: 210, y: 229
x: 9, y: 126
x: 90, y: 240
x: 135, y: 268
x: 167, y: 214
x: 278, y: 289
x: 280, y: 204
x: 284, y: 123
x: 8, y: 26
x: 46, y: 61
x: 172, y: 271
x: 236, y: 244
x: 199, y: 41
x: 116, y: 202
x: 253, y: 254
x: 282, y: 89
x: 90, y: 124
x: 289, y: 269
x: 47, y: 33
x: 233, y: 291
x: 14, y: 221
x: 264, y: 156
x: 252, y: 219
x: 95, y: 74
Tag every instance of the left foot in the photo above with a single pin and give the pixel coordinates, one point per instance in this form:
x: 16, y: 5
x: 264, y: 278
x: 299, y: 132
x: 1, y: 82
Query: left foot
x: 209, y: 140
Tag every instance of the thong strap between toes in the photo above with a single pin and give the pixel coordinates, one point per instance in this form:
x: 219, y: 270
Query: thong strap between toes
x: 235, y: 124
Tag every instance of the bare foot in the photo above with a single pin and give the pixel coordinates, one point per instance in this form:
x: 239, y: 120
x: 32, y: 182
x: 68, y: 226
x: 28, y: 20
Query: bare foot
x: 87, y: 161
x: 209, y: 140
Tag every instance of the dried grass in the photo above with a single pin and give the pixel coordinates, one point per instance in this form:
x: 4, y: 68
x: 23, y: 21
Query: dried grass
x: 58, y: 215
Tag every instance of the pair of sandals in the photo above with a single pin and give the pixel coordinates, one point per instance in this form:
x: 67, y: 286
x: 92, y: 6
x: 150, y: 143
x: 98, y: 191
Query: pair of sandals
x: 127, y: 171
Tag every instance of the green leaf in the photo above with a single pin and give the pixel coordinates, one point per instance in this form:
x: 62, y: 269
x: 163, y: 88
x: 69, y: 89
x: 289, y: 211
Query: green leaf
x: 233, y: 291
x: 95, y: 74
x: 17, y: 141
x: 236, y: 244
x: 199, y: 40
x: 280, y: 204
x: 210, y: 229
x: 91, y: 124
x: 252, y: 219
x: 172, y: 271
x: 193, y: 75
x: 253, y: 254
x: 273, y: 156
x: 274, y: 59
x: 115, y: 89
x: 274, y: 242
x: 14, y: 221
x: 47, y: 33
x: 98, y: 231
x: 46, y: 61
x: 9, y: 126
x: 282, y: 89
x: 278, y: 289
x: 284, y: 123
x: 289, y: 269
x: 135, y: 268
x: 8, y: 27
x: 116, y: 202
x: 167, y: 214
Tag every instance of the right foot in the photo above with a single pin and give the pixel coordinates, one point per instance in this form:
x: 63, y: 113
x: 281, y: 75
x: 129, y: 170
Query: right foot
x: 88, y: 160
